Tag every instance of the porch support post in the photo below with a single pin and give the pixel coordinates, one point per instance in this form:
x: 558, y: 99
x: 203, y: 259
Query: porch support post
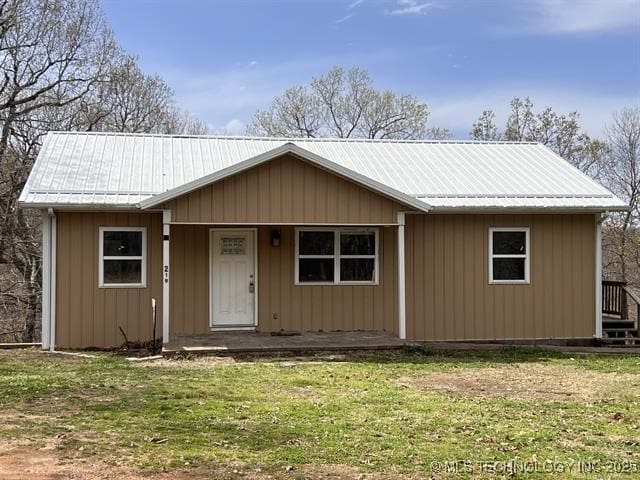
x: 166, y: 221
x: 598, y: 274
x: 402, y: 320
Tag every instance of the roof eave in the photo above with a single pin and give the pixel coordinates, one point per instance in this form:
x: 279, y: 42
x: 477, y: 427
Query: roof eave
x: 529, y: 209
x: 79, y: 206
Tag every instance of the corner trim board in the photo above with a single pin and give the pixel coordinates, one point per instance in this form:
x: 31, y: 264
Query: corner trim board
x: 46, y: 279
x: 598, y: 278
x: 402, y: 307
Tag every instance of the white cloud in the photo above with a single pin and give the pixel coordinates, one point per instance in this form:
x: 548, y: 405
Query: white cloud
x: 344, y: 19
x: 457, y: 112
x: 410, y: 7
x: 579, y: 16
x: 355, y: 4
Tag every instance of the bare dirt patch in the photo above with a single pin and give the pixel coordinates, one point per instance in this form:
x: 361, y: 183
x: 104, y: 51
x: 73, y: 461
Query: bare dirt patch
x: 528, y: 381
x: 23, y: 460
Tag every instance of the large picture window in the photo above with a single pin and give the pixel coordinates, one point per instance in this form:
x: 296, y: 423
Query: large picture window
x: 122, y: 261
x: 509, y: 255
x: 336, y: 256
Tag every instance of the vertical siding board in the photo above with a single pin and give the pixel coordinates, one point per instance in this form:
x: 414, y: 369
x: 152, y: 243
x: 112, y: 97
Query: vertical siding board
x: 531, y: 313
x: 359, y: 320
x: 286, y: 189
x: 449, y: 278
x: 423, y: 316
x: 332, y: 198
x: 86, y: 295
x: 479, y: 280
x: 75, y: 331
x: 353, y: 205
x: 430, y: 276
x: 469, y: 275
x: 459, y: 267
x: 189, y: 282
x: 297, y: 179
x: 564, y: 299
x: 439, y: 302
x: 410, y: 287
x: 548, y: 276
x: 255, y: 190
x: 205, y: 204
x: 389, y: 303
x: 230, y: 213
x: 62, y: 277
x: 217, y: 201
x: 275, y: 188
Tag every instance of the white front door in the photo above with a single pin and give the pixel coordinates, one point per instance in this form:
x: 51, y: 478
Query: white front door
x: 232, y: 278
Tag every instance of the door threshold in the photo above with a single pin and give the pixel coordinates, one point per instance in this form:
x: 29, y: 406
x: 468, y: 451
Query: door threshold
x: 234, y: 328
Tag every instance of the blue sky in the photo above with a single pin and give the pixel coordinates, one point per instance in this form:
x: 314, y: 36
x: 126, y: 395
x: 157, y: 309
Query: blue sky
x: 225, y: 59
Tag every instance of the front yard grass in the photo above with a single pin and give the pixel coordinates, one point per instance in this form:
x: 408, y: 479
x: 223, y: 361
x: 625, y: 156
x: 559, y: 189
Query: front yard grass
x: 413, y: 413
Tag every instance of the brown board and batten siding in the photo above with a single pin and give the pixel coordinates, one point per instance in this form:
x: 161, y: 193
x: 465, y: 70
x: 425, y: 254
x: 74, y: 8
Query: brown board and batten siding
x: 297, y: 307
x: 285, y: 190
x: 448, y: 292
x: 89, y: 316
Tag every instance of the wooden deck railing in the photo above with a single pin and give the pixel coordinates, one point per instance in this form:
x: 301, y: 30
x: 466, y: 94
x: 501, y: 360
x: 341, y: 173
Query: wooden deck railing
x: 615, y: 299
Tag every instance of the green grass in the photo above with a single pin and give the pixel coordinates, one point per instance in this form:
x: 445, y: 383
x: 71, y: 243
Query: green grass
x: 359, y: 413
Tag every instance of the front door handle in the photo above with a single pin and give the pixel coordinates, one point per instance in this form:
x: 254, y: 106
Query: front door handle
x: 252, y: 284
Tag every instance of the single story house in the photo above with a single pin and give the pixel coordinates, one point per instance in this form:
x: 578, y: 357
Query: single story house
x: 427, y: 240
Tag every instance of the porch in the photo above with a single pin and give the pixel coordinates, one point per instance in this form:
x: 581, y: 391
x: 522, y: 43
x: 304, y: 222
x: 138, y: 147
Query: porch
x: 235, y: 341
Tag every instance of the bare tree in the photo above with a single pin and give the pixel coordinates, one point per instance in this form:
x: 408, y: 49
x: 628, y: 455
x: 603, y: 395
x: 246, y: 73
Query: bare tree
x: 560, y: 132
x: 52, y: 53
x: 622, y: 176
x: 344, y: 105
x: 485, y: 128
x: 60, y: 68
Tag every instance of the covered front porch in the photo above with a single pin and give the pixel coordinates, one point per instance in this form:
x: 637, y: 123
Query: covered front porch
x: 249, y: 285
x: 284, y: 244
x: 239, y: 342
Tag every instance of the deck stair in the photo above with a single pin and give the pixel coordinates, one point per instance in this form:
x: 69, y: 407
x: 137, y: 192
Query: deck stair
x: 619, y: 318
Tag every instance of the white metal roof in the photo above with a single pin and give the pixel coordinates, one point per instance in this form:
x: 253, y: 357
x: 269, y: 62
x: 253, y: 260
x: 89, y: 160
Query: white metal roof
x: 106, y: 170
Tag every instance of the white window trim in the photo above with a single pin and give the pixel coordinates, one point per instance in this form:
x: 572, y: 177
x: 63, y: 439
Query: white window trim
x: 336, y: 256
x: 526, y: 256
x: 102, y: 258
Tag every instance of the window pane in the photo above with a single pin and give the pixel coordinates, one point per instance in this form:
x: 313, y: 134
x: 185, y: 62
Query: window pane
x: 315, y: 243
x: 315, y: 270
x: 509, y: 243
x: 122, y: 244
x: 508, y: 268
x: 122, y: 271
x: 233, y: 246
x: 357, y: 244
x: 356, y: 269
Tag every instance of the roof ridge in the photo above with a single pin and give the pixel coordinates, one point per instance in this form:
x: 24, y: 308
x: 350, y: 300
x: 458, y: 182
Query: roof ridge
x: 293, y: 139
